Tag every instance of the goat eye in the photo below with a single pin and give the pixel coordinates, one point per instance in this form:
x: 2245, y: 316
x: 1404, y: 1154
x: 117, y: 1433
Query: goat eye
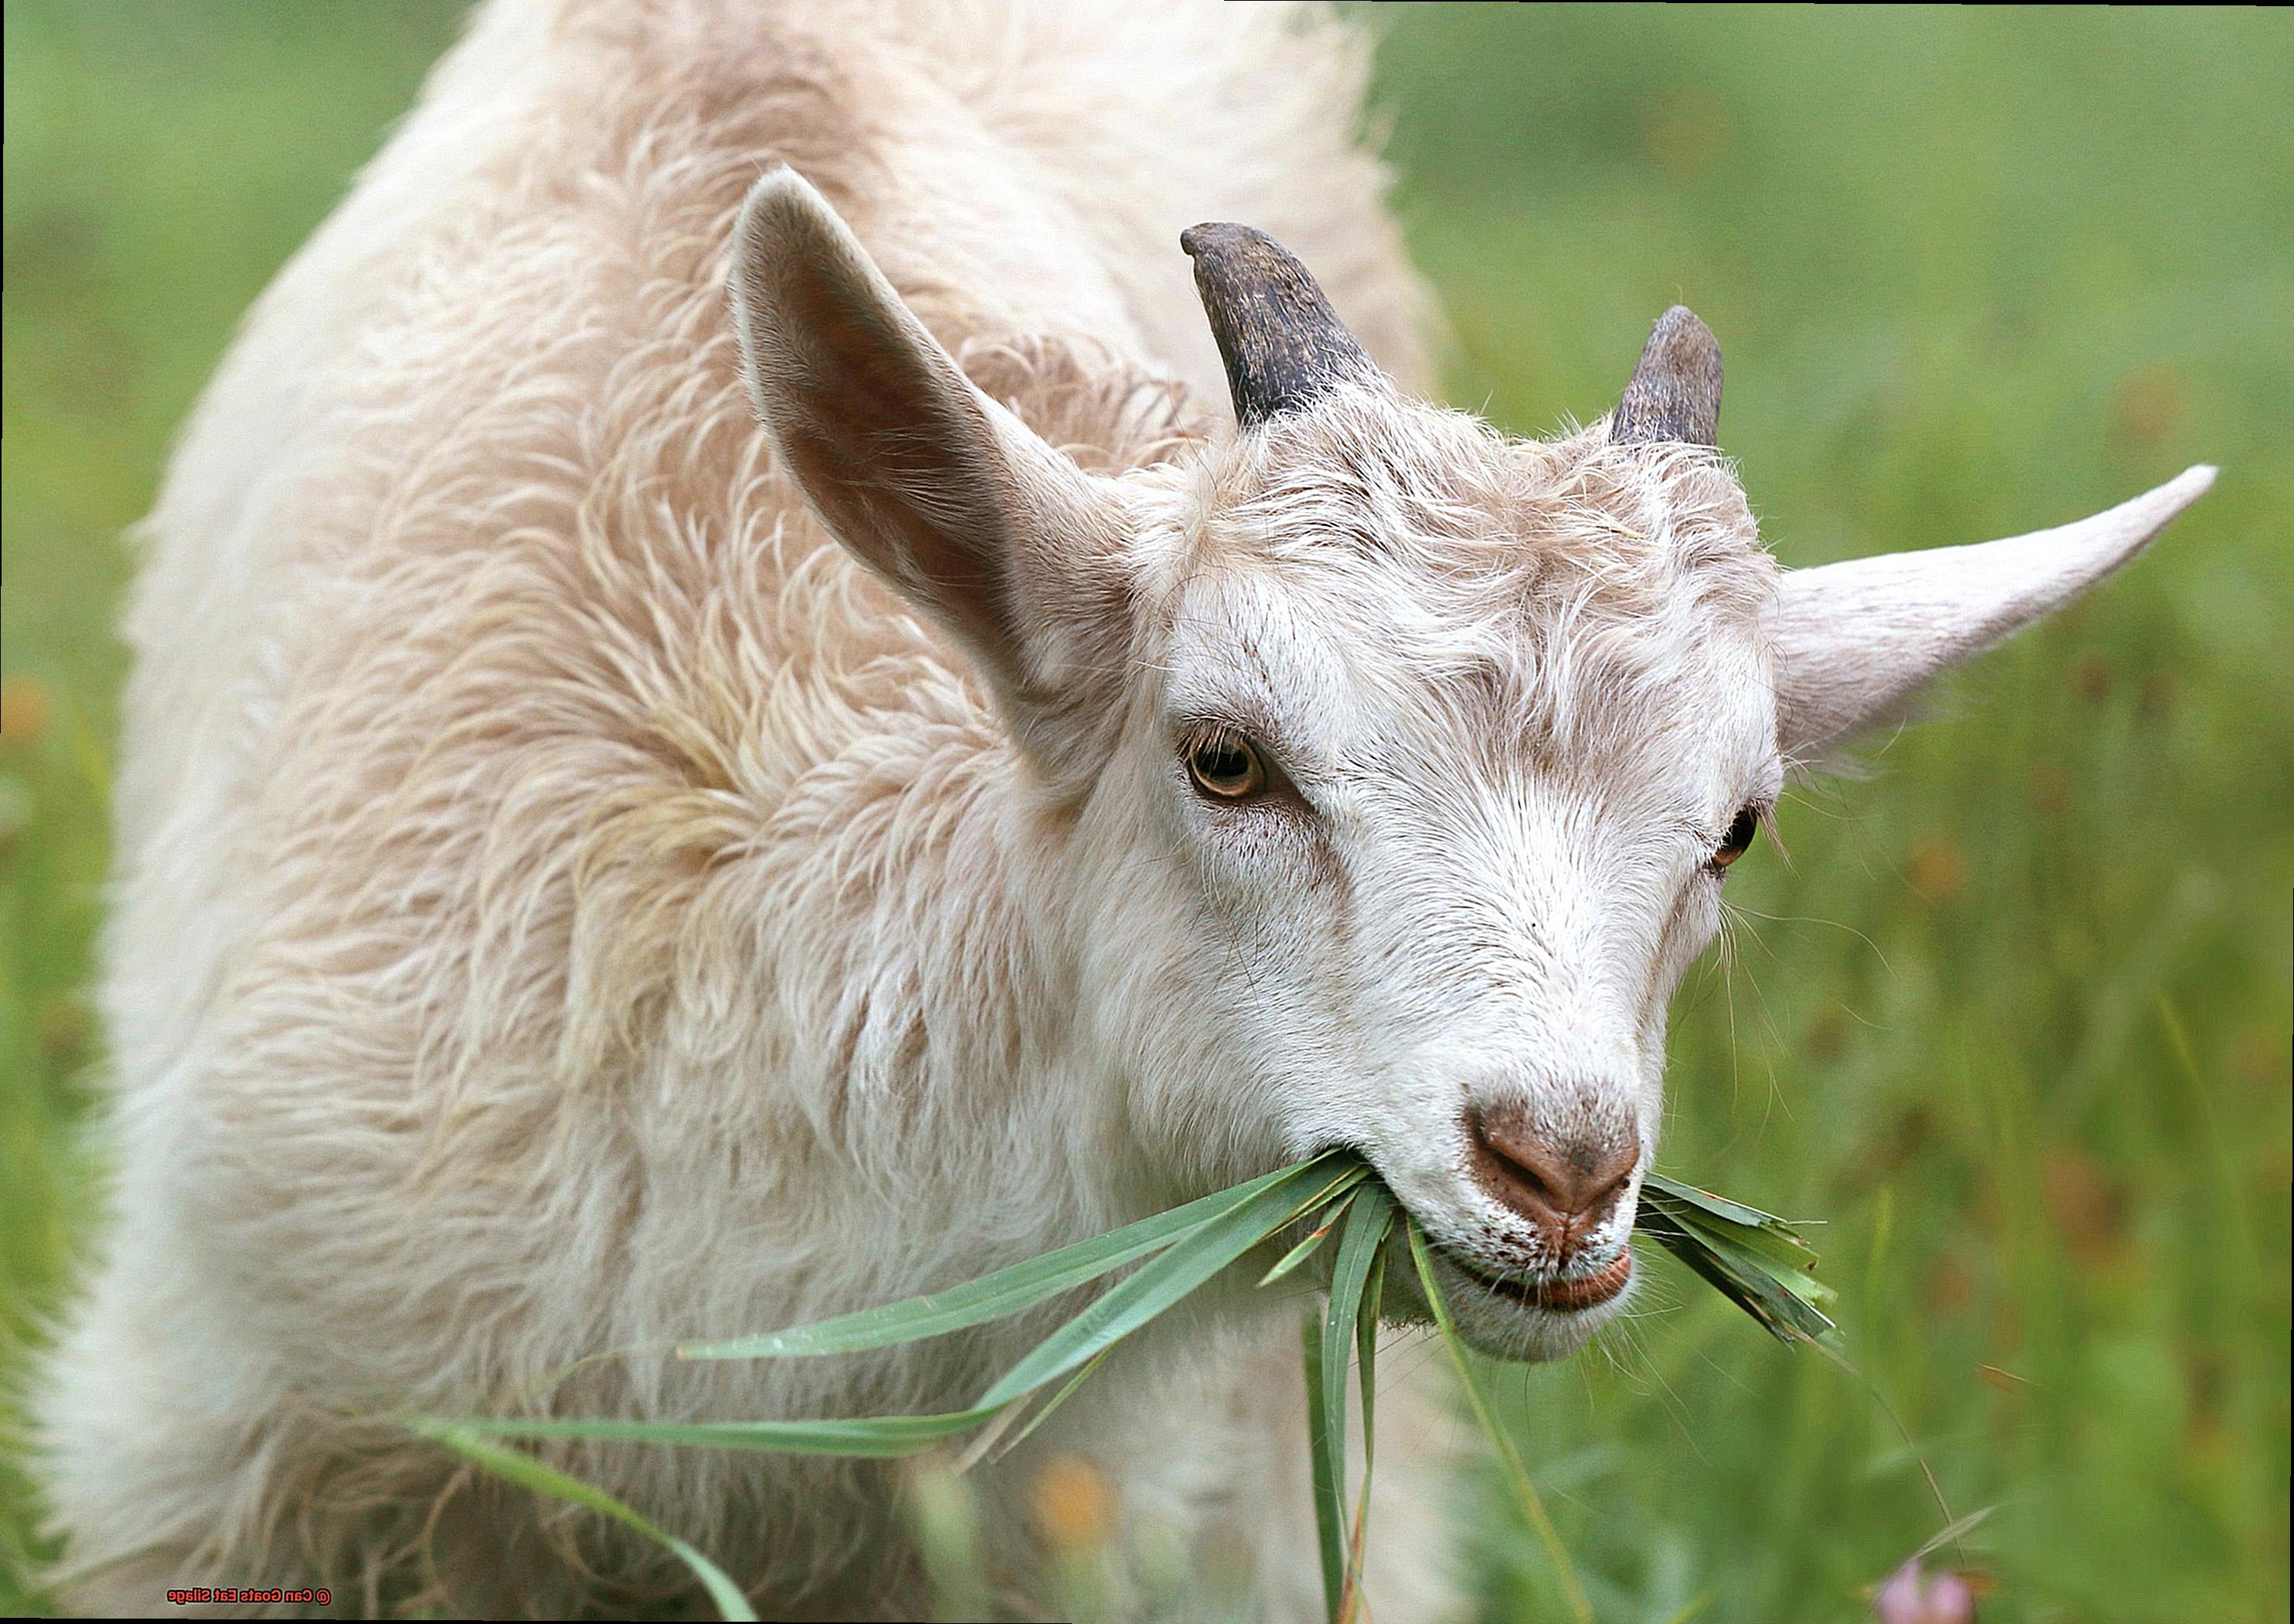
x: 1739, y: 836
x: 1226, y: 766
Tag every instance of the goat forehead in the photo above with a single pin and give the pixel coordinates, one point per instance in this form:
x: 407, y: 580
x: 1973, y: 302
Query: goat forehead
x: 1369, y: 472
x: 1388, y: 576
x: 1365, y: 656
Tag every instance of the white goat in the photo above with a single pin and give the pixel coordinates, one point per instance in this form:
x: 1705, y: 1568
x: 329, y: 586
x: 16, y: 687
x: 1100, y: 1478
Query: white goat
x: 592, y: 872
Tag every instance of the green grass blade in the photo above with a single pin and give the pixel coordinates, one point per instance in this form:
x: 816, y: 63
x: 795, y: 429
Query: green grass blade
x: 1187, y: 1264
x: 1745, y: 1280
x: 1307, y: 1249
x: 1719, y: 1206
x: 993, y: 1297
x: 1330, y: 1501
x: 1368, y: 1220
x: 1217, y: 1230
x: 1366, y: 1376
x: 1043, y: 1411
x: 466, y: 1440
x: 1754, y: 1258
x: 1366, y: 1351
x: 1747, y: 1228
x: 1533, y: 1505
x: 876, y: 1437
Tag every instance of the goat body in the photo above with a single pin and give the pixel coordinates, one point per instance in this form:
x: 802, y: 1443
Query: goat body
x: 725, y: 731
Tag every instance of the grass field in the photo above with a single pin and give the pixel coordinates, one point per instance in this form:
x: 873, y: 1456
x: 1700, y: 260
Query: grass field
x: 2014, y: 1017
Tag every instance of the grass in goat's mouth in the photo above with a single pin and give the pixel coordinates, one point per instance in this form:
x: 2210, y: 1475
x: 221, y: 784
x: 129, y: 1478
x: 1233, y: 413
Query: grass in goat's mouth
x: 1757, y: 1260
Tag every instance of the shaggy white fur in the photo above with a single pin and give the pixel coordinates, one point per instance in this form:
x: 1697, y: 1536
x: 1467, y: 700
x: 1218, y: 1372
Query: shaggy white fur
x: 567, y: 901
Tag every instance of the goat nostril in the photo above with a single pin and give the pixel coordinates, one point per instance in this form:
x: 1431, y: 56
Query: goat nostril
x: 1609, y: 1178
x: 1562, y: 1187
x: 1503, y: 1164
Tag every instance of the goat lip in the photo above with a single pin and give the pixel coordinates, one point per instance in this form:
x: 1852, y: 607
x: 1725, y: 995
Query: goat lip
x: 1568, y: 1294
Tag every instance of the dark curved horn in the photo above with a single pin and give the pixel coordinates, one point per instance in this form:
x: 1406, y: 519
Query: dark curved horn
x: 1675, y: 393
x: 1282, y: 343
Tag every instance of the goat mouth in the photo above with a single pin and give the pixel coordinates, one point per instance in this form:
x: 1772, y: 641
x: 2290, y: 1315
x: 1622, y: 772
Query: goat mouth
x: 1567, y: 1295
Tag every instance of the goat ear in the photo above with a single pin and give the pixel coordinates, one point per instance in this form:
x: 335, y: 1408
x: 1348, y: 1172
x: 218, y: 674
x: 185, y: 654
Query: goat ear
x: 934, y: 485
x: 1852, y: 641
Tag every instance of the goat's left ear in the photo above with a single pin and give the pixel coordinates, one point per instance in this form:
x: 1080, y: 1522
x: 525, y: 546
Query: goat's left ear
x: 1003, y: 541
x: 1852, y: 641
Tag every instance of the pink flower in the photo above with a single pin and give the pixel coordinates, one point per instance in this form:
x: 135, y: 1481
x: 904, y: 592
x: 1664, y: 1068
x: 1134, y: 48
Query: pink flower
x: 1913, y: 1597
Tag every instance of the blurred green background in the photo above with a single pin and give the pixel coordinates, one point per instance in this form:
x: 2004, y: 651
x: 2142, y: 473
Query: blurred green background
x: 2012, y: 1018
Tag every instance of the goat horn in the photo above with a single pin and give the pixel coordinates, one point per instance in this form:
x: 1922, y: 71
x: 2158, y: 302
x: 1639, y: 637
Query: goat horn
x: 1282, y: 343
x: 1675, y: 393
